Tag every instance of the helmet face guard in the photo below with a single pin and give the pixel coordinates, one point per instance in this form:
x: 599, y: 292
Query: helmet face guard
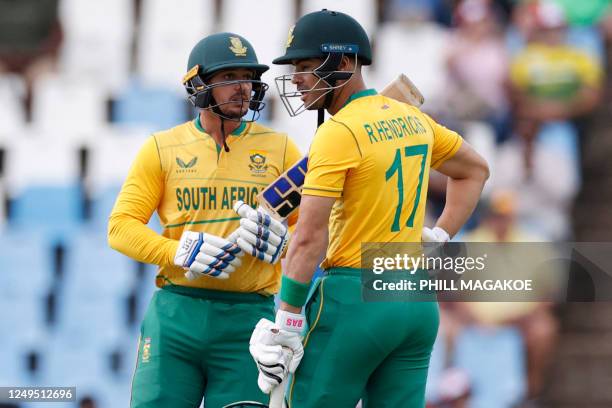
x: 327, y: 73
x: 200, y: 95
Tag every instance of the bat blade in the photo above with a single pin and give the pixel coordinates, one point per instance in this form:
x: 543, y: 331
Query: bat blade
x: 283, y: 196
x: 404, y: 90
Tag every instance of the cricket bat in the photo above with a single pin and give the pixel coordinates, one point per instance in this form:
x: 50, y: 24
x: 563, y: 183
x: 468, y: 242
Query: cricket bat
x: 283, y: 196
x: 277, y: 396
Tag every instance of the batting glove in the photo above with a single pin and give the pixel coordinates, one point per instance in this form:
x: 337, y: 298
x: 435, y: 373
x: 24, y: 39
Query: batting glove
x: 259, y: 234
x: 207, y: 255
x: 435, y: 234
x: 277, y: 348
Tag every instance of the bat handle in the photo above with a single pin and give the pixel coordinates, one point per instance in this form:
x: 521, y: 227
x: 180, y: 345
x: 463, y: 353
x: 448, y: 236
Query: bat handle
x: 277, y: 396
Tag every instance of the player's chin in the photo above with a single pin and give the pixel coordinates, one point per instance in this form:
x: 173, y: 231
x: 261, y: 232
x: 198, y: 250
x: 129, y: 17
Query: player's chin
x: 312, y: 101
x: 235, y: 112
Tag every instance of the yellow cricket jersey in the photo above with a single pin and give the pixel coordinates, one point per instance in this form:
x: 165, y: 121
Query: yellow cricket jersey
x: 192, y: 184
x: 554, y: 72
x: 374, y: 156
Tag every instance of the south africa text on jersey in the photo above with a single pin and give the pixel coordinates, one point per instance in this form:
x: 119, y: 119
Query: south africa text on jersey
x: 213, y: 198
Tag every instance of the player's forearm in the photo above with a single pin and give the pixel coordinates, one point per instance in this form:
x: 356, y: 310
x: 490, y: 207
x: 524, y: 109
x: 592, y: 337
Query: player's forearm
x: 462, y: 196
x: 134, y: 239
x: 305, y: 252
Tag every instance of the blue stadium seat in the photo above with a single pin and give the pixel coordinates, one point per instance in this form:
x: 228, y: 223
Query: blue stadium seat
x: 13, y: 363
x: 22, y: 320
x: 94, y: 270
x: 65, y: 363
x: 53, y: 210
x: 26, y: 264
x: 87, y: 364
x: 145, y: 292
x: 102, y: 205
x: 156, y: 109
x: 96, y: 322
x: 494, y: 358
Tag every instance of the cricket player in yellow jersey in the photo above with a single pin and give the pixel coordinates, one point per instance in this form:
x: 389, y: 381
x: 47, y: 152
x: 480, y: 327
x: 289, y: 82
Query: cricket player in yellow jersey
x: 368, y: 169
x: 195, y: 334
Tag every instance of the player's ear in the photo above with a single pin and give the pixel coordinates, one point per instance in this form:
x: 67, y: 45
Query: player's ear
x: 347, y: 63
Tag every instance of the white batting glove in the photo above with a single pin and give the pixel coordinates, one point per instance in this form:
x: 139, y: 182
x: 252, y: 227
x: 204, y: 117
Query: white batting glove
x: 435, y: 234
x: 259, y: 234
x: 207, y: 255
x: 277, y: 348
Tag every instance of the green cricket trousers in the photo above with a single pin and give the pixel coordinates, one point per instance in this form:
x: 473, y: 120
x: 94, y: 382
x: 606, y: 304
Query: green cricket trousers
x: 375, y: 351
x: 194, y: 343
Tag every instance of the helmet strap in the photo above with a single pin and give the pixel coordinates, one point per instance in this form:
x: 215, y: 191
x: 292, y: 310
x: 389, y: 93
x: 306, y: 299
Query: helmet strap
x: 320, y: 116
x: 223, y: 136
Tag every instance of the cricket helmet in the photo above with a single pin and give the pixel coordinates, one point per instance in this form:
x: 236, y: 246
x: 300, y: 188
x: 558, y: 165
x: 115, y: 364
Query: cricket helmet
x: 328, y: 35
x: 219, y: 52
x: 311, y: 33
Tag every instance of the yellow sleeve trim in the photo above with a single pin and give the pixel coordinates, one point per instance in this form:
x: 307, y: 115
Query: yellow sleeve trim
x: 321, y: 192
x: 448, y: 155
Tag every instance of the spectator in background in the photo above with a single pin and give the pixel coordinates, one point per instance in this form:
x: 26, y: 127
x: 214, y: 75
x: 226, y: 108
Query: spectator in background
x: 87, y: 402
x: 585, y: 13
x: 30, y: 36
x: 499, y: 223
x: 477, y: 67
x: 551, y: 80
x: 535, y: 320
x: 453, y: 390
x: 542, y: 168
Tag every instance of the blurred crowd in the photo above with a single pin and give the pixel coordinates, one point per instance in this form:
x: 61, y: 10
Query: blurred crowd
x: 521, y: 80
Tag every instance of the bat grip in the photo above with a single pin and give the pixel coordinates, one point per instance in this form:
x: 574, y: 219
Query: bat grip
x: 277, y: 396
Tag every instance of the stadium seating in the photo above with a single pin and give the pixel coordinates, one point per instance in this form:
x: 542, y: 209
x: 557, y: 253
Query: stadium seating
x: 246, y: 19
x: 494, y: 359
x: 31, y: 208
x: 26, y: 265
x: 166, y: 37
x: 79, y: 310
x: 93, y: 270
x: 417, y: 42
x: 91, y: 51
x: 154, y: 108
x: 13, y: 113
x: 63, y: 104
x: 364, y: 11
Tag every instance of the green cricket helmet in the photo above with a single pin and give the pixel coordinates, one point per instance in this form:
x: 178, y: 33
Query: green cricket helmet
x: 312, y: 32
x: 328, y: 35
x: 219, y: 52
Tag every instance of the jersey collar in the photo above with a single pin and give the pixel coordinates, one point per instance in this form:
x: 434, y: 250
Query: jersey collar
x: 360, y: 94
x: 236, y: 132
